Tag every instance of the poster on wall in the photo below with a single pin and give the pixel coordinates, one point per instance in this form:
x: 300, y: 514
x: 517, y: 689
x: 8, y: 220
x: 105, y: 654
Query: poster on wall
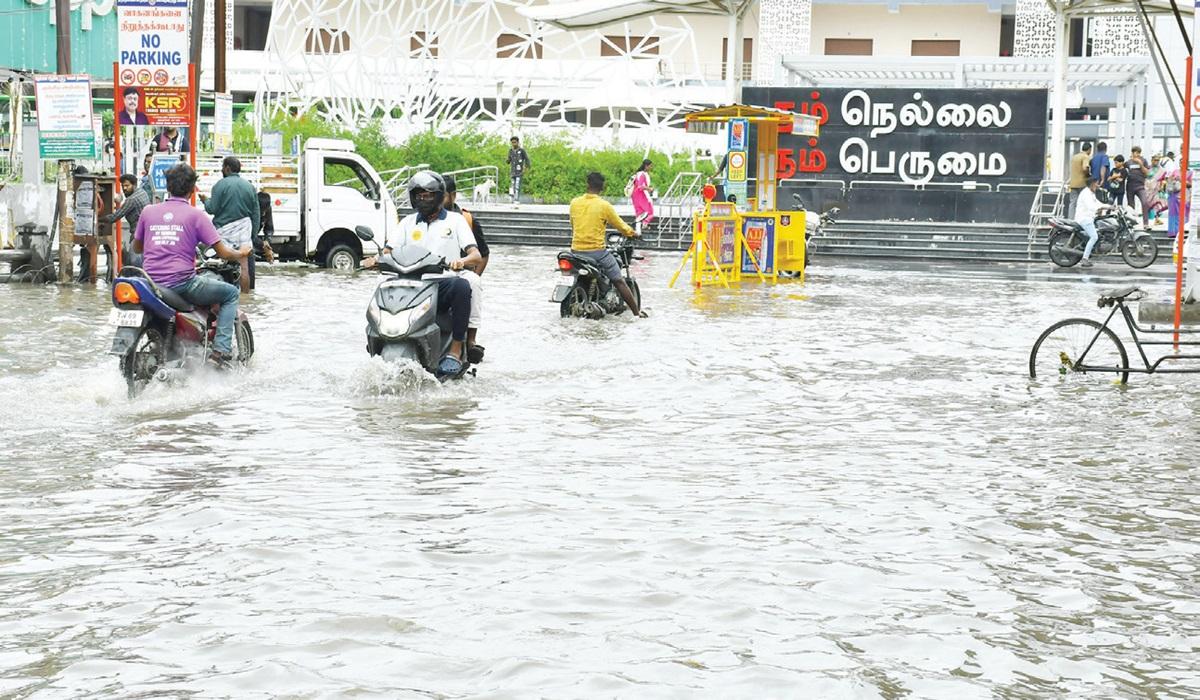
x: 760, y: 240
x: 223, y: 123
x: 64, y: 116
x: 912, y: 135
x: 720, y: 240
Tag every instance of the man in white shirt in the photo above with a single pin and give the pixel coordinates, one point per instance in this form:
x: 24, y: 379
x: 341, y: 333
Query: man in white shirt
x: 1086, y: 210
x: 447, y: 235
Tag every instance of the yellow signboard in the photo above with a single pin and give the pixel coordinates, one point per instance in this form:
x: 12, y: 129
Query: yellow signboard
x: 737, y: 166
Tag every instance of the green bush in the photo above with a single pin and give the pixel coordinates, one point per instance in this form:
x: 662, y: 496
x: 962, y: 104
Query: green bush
x: 557, y: 173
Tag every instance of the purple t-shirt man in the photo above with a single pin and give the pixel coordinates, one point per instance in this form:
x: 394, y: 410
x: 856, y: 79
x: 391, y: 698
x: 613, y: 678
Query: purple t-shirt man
x: 169, y: 233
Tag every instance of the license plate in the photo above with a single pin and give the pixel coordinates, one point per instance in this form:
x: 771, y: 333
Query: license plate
x: 562, y: 288
x: 567, y: 280
x: 126, y: 317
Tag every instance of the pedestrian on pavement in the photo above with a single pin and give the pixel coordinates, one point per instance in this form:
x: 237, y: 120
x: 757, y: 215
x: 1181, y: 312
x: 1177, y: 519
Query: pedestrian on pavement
x: 642, y: 189
x: 518, y: 163
x: 1078, y: 175
x: 1101, y: 165
x: 1170, y: 183
x: 1115, y: 184
x: 1135, y: 182
x: 235, y: 212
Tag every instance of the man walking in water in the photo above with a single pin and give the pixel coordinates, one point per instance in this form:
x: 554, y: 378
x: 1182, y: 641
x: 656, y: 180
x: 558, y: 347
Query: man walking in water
x: 589, y: 216
x: 235, y: 212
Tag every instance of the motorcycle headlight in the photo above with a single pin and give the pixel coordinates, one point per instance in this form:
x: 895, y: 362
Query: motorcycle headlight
x: 397, y: 324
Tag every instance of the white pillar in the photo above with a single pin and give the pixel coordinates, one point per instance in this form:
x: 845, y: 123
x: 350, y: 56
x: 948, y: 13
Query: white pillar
x: 733, y: 60
x: 1122, y: 118
x: 1058, y: 121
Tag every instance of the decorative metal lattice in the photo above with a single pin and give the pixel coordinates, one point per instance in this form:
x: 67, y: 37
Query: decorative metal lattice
x: 1034, y: 34
x: 785, y: 29
x: 1117, y: 35
x: 454, y: 62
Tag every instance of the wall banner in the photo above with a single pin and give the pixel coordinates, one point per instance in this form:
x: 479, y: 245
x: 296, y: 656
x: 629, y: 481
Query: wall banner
x: 912, y: 135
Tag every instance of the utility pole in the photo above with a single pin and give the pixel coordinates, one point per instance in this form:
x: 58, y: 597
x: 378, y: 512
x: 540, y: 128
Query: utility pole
x: 66, y: 227
x: 219, y: 45
x: 197, y: 51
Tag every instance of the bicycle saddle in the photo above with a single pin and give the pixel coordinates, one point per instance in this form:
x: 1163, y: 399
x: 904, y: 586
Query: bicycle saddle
x: 1109, y: 298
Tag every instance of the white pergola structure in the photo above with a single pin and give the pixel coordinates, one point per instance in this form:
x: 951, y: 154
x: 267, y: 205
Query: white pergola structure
x: 1066, y: 10
x: 578, y: 15
x: 1129, y: 75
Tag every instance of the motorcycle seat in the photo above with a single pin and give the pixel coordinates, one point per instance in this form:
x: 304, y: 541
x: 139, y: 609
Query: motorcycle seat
x: 173, y: 299
x: 1060, y: 222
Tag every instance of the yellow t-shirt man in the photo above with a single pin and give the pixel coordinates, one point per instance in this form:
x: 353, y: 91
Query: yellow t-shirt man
x: 590, y: 215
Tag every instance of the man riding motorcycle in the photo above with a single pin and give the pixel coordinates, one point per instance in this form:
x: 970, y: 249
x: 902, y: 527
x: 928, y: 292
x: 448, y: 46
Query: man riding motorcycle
x: 445, y: 234
x: 589, y: 216
x: 167, y: 235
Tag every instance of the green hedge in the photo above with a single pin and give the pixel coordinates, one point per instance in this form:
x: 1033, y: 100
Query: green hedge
x: 557, y: 174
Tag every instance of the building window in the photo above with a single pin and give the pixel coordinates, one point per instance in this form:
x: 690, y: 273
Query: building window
x: 629, y: 46
x: 324, y: 41
x: 849, y: 47
x: 935, y: 47
x: 422, y: 44
x: 747, y: 58
x: 517, y: 46
x: 250, y: 25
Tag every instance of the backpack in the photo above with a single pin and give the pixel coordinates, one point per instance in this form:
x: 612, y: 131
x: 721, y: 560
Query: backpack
x: 629, y: 185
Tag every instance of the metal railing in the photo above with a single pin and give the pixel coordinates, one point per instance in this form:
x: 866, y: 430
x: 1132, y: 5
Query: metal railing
x: 676, y: 207
x: 476, y: 185
x: 394, y: 179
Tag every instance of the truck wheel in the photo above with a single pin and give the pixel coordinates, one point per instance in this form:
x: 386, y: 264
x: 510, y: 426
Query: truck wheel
x: 342, y: 258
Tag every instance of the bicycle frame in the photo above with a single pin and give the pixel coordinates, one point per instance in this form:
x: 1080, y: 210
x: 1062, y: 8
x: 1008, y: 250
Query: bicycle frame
x: 1134, y: 329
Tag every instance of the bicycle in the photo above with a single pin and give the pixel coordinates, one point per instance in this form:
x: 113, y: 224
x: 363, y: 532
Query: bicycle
x: 1078, y: 347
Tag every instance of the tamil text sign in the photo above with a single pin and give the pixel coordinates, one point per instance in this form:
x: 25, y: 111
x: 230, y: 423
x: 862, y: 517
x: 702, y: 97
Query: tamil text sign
x: 915, y: 136
x: 152, y: 43
x: 64, y: 111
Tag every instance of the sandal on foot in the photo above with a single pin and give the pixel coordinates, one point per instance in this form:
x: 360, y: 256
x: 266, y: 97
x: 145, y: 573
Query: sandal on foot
x: 449, y: 366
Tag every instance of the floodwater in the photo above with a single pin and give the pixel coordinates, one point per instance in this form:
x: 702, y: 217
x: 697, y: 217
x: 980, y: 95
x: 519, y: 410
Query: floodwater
x: 846, y: 489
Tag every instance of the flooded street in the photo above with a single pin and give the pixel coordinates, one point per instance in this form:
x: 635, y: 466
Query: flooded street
x: 846, y: 489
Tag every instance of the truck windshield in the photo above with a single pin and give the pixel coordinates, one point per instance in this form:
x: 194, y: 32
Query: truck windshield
x: 347, y: 173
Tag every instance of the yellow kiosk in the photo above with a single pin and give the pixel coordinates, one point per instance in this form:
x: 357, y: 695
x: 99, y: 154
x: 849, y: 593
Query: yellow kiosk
x: 758, y: 239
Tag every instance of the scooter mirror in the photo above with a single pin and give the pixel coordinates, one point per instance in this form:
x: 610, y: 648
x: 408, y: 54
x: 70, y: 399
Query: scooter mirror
x: 364, y: 233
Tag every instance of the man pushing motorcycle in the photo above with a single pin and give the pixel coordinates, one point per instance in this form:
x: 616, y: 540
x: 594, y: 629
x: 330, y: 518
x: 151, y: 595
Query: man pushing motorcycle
x: 590, y: 215
x: 167, y: 234
x: 446, y: 234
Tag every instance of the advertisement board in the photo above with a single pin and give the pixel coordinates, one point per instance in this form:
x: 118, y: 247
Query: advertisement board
x: 737, y: 166
x: 912, y: 135
x: 739, y: 134
x: 150, y: 106
x: 64, y: 116
x: 760, y: 240
x: 223, y: 123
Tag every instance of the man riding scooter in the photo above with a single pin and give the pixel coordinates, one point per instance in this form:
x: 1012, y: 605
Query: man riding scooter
x: 447, y: 235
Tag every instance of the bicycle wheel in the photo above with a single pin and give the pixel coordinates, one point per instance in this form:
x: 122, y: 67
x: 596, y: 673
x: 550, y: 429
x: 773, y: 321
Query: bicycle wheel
x: 1140, y: 252
x: 1067, y: 350
x: 1064, y: 248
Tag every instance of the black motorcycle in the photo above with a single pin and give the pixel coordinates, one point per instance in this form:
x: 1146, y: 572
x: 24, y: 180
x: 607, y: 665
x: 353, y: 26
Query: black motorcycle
x: 584, y: 291
x: 1117, y: 230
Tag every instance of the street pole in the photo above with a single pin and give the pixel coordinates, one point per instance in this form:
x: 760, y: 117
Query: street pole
x: 1184, y: 220
x: 66, y: 228
x: 197, y: 51
x: 733, y: 52
x: 219, y: 45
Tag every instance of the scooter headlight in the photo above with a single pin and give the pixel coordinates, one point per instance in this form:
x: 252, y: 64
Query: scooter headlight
x: 397, y: 324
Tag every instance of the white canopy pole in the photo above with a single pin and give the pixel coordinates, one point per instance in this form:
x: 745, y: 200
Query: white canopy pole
x: 733, y: 53
x: 1058, y: 122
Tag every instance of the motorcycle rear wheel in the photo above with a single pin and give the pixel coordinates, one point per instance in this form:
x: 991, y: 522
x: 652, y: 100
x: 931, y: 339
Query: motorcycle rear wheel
x: 1140, y: 252
x: 637, y: 291
x: 1061, y: 250
x: 576, y: 303
x: 142, y: 362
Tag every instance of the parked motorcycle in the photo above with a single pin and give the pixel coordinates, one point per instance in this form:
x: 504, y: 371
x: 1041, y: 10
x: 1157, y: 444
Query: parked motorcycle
x: 814, y: 226
x: 160, y: 334
x: 402, y: 318
x: 584, y: 291
x: 1117, y: 230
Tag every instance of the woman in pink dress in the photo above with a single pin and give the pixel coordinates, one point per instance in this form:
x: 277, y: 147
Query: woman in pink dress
x: 641, y: 192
